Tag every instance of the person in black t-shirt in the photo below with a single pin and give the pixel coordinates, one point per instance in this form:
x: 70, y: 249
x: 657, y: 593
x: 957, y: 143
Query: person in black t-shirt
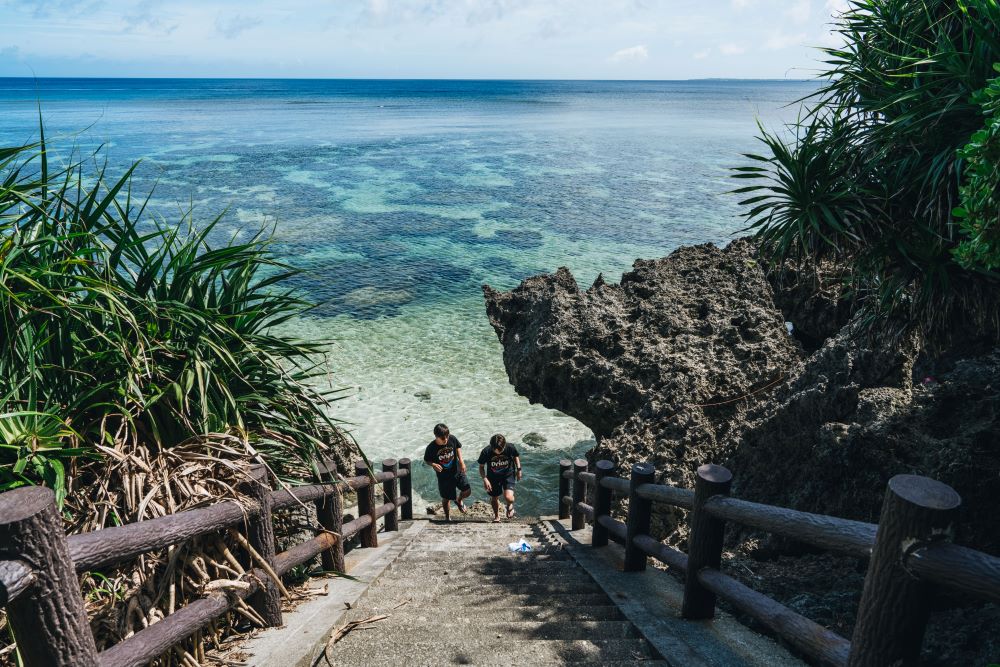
x: 444, y: 454
x: 500, y: 468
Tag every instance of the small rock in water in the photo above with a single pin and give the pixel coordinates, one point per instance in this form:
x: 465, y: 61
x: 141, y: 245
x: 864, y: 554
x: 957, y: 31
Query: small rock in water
x: 533, y: 439
x: 423, y: 394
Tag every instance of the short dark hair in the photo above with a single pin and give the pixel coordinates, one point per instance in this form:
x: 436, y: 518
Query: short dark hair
x: 498, y: 441
x: 441, y: 431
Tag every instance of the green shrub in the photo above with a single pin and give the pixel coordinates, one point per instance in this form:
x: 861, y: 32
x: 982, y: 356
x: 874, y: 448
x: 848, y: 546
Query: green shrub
x: 979, y: 213
x: 119, y: 330
x: 871, y: 173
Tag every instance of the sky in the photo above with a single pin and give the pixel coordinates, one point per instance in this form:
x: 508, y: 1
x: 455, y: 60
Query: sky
x: 463, y: 39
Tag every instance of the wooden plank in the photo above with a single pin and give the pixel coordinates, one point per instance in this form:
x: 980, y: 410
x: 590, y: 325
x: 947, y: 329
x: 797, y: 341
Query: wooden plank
x: 152, y: 642
x: 821, y: 645
x: 854, y: 538
x: 671, y: 495
x: 957, y: 568
x: 663, y: 553
x: 101, y: 548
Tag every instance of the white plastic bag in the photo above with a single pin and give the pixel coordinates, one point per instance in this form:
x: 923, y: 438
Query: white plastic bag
x: 519, y: 547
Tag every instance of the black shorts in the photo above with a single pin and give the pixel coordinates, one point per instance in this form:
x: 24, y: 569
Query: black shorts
x: 450, y: 483
x: 500, y: 484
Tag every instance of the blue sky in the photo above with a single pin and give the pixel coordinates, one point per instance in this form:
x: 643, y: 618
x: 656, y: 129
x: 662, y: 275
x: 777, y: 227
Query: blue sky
x: 558, y: 39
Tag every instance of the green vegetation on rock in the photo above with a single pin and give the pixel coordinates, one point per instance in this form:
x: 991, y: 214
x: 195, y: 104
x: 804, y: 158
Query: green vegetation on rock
x: 873, y: 172
x: 979, y: 213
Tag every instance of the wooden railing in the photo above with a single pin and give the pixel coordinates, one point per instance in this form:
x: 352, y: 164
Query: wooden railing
x: 910, y: 554
x: 39, y: 565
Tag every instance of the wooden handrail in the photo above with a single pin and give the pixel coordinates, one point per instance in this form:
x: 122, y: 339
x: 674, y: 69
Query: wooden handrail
x: 153, y: 641
x: 853, y: 538
x: 926, y: 556
x: 32, y: 510
x: 824, y: 646
x: 101, y: 548
x: 956, y: 567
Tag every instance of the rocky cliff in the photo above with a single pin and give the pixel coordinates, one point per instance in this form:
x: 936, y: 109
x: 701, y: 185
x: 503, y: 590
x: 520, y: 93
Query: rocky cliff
x: 688, y: 360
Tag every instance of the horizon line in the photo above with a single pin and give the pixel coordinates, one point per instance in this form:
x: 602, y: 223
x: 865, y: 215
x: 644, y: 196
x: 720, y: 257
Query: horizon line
x: 361, y: 78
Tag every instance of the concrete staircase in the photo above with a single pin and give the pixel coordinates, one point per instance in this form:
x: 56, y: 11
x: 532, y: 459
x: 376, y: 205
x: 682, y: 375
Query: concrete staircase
x: 453, y: 594
x: 457, y: 595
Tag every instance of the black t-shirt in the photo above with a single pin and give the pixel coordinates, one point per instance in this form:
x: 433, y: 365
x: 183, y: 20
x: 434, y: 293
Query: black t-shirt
x: 444, y: 455
x: 498, y: 465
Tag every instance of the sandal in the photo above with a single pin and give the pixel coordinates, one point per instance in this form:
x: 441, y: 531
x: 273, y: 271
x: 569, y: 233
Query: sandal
x: 511, y: 513
x: 496, y: 519
x: 461, y: 507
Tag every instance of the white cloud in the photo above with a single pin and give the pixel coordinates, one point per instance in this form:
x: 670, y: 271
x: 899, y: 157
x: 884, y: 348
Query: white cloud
x: 701, y: 55
x: 636, y: 53
x: 234, y: 26
x: 800, y: 11
x: 837, y: 7
x: 741, y: 4
x: 731, y: 49
x: 780, y: 40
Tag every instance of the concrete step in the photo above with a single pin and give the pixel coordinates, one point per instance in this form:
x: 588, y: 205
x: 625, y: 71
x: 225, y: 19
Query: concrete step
x: 362, y: 648
x: 490, y: 567
x: 506, y: 576
x: 486, y: 588
x: 487, y: 613
x: 423, y: 627
x: 464, y: 600
x: 442, y: 558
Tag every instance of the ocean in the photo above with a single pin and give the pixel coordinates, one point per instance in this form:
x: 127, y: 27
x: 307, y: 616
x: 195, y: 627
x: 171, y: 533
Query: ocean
x: 399, y: 199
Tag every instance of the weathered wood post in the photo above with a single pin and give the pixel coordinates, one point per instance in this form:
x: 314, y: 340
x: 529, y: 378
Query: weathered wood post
x: 330, y: 513
x: 894, y: 605
x: 389, y: 491
x: 705, y: 541
x: 565, y: 465
x: 602, y: 503
x: 260, y: 534
x: 639, y: 512
x: 48, y: 620
x: 366, y: 505
x: 579, y: 493
x: 406, y: 489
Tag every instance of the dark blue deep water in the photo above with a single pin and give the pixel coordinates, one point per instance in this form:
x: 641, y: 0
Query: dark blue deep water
x: 400, y: 198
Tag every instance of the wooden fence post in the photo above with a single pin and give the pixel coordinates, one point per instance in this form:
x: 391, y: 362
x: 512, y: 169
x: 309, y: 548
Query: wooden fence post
x: 260, y: 534
x: 565, y: 465
x: 366, y: 505
x: 406, y: 489
x: 705, y: 541
x: 639, y: 511
x: 48, y: 619
x: 330, y: 513
x: 579, y: 493
x: 390, y: 492
x: 602, y: 503
x: 894, y: 604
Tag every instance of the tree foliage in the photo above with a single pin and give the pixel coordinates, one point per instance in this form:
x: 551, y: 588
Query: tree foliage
x: 118, y: 330
x: 873, y: 171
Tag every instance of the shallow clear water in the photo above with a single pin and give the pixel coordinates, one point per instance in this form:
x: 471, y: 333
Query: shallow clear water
x: 400, y: 198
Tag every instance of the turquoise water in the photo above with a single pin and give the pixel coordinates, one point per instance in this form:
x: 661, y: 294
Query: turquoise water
x: 400, y: 198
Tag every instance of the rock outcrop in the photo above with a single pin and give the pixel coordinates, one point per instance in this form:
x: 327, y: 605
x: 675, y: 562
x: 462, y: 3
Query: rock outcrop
x: 665, y: 364
x: 688, y: 361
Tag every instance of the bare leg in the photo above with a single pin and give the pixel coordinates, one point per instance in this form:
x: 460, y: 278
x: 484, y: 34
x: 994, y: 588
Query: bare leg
x: 447, y: 509
x: 508, y: 497
x: 495, y: 501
